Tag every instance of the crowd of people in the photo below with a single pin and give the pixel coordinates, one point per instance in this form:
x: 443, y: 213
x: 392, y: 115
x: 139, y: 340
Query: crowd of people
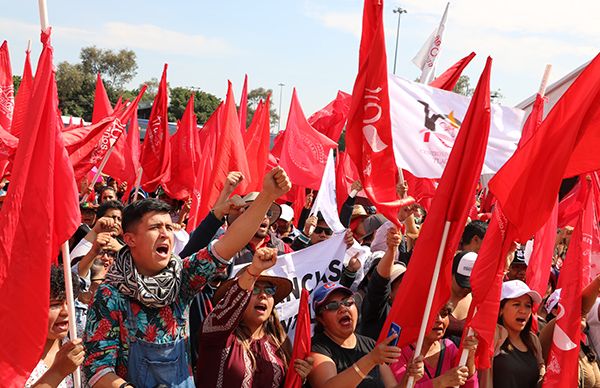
x: 156, y: 306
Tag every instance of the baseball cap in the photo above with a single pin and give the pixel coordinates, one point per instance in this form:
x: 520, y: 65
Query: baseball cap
x: 462, y: 266
x: 519, y: 257
x: 515, y: 289
x: 372, y: 223
x: 274, y: 210
x: 287, y: 213
x: 397, y: 270
x: 321, y: 293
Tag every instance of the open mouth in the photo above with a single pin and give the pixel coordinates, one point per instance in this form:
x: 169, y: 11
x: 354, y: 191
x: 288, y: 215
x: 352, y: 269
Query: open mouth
x: 260, y: 308
x: 521, y: 321
x: 346, y: 320
x: 162, y: 250
x: 62, y: 326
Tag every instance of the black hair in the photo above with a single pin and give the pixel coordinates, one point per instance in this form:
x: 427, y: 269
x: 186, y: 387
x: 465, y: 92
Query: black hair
x: 57, y: 283
x: 134, y: 212
x: 473, y: 228
x: 526, y: 333
x: 106, y: 187
x: 106, y: 206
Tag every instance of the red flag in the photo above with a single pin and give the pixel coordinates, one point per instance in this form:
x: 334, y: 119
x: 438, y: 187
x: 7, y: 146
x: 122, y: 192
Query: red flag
x: 102, y: 106
x: 155, y: 156
x: 257, y: 141
x: 369, y: 130
x: 131, y: 165
x: 533, y: 121
x: 243, y: 112
x: 7, y: 99
x: 183, y: 157
x: 304, y: 150
x: 563, y: 365
x: 298, y: 203
x: 22, y: 98
x: 450, y: 204
x: 540, y: 261
x: 87, y: 146
x: 448, y: 79
x: 278, y: 144
x: 565, y: 145
x: 330, y: 120
x: 229, y: 155
x: 345, y: 174
x: 41, y: 211
x: 301, y: 348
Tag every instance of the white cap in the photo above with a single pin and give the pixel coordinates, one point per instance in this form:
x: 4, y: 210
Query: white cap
x: 397, y: 270
x: 515, y: 289
x: 552, y: 300
x: 287, y: 213
x: 466, y: 263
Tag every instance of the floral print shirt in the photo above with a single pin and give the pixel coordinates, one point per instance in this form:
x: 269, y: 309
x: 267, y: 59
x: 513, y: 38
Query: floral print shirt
x: 106, y: 335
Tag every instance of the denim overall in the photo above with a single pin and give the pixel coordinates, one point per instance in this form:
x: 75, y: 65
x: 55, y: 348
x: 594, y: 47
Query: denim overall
x: 151, y: 365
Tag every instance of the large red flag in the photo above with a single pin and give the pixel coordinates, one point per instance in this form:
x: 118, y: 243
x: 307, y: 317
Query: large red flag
x: 257, y: 141
x: 369, y: 130
x: 534, y: 120
x: 301, y: 348
x: 345, y: 174
x: 131, y: 163
x: 565, y: 145
x: 41, y: 211
x: 155, y: 157
x: 304, y: 150
x: 278, y: 144
x: 330, y: 120
x: 243, y: 112
x: 102, y: 106
x: 22, y: 98
x: 229, y: 155
x: 452, y: 199
x: 88, y: 145
x: 563, y: 359
x: 7, y: 99
x: 448, y: 79
x: 183, y: 157
x: 540, y: 261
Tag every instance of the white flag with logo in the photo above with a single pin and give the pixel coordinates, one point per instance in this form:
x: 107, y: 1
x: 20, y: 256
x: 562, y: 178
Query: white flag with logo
x: 326, y: 200
x: 426, y: 121
x: 427, y: 55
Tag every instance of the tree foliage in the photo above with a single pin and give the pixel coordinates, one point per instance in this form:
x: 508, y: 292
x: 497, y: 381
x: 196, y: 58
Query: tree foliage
x: 254, y: 97
x: 75, y: 90
x: 116, y: 68
x: 204, y: 103
x: 463, y: 86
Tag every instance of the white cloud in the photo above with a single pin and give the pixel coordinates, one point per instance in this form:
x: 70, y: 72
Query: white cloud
x: 350, y: 22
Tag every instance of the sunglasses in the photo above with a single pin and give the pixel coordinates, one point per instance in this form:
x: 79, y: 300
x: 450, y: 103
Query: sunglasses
x: 320, y: 229
x: 336, y: 304
x: 108, y: 253
x: 268, y: 290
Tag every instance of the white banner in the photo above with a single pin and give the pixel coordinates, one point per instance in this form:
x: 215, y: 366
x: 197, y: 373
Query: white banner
x: 426, y: 120
x: 307, y: 268
x: 427, y: 55
x: 326, y: 201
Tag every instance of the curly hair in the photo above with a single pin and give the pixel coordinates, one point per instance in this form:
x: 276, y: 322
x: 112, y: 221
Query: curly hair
x: 57, y: 283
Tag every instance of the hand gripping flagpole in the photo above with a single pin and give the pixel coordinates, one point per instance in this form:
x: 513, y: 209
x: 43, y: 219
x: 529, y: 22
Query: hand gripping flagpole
x: 70, y: 305
x: 432, y: 286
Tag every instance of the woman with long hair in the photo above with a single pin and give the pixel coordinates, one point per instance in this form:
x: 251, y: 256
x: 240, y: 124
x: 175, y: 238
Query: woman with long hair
x: 518, y: 360
x: 242, y: 342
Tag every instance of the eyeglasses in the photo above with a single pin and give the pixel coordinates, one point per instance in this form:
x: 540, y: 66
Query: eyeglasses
x: 108, y: 253
x: 320, y: 229
x: 336, y: 304
x: 269, y: 290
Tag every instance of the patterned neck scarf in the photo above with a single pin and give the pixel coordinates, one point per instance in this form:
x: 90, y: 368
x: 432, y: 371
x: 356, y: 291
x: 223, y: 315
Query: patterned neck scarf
x: 153, y: 291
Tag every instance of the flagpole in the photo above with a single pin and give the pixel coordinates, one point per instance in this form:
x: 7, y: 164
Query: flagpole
x: 432, y: 286
x: 138, y: 180
x: 70, y: 305
x: 29, y: 46
x: 43, y: 14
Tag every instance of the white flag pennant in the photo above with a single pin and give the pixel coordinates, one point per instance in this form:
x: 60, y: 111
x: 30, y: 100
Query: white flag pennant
x: 326, y: 200
x: 427, y: 55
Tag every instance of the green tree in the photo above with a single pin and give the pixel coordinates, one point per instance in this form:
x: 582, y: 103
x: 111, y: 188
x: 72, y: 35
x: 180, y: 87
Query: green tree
x: 254, y: 96
x: 463, y: 86
x: 75, y: 90
x: 16, y: 83
x: 116, y: 68
x: 204, y: 103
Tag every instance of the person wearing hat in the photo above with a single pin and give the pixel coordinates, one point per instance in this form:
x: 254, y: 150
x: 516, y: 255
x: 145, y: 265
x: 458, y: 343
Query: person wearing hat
x: 382, y: 288
x: 518, y: 360
x: 343, y: 358
x: 284, y: 228
x: 460, y: 294
x: 242, y: 342
x: 517, y: 270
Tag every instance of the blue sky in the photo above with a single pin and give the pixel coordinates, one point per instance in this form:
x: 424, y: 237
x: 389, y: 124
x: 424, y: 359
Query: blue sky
x: 310, y: 44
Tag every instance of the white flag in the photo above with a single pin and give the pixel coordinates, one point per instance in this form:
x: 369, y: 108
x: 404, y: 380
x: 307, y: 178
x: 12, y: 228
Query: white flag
x: 326, y: 200
x: 426, y: 57
x: 426, y: 121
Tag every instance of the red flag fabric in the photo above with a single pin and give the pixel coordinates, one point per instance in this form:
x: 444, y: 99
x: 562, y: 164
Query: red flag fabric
x: 564, y: 145
x: 563, y: 365
x: 8, y: 144
x: 369, y: 130
x: 534, y: 120
x: 120, y: 164
x: 229, y: 155
x: 22, y: 98
x: 102, y: 106
x: 330, y: 120
x: 278, y: 144
x: 301, y: 348
x: 257, y: 141
x: 155, y: 157
x: 41, y: 206
x: 87, y: 146
x: 131, y: 165
x: 448, y: 79
x: 421, y: 189
x: 243, y: 112
x: 345, y: 174
x: 540, y: 261
x: 184, y: 156
x: 7, y: 99
x: 298, y: 203
x: 304, y: 150
x: 450, y: 204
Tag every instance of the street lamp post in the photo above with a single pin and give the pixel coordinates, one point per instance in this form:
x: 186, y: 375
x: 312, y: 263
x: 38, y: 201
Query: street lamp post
x: 281, y: 85
x: 399, y: 11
